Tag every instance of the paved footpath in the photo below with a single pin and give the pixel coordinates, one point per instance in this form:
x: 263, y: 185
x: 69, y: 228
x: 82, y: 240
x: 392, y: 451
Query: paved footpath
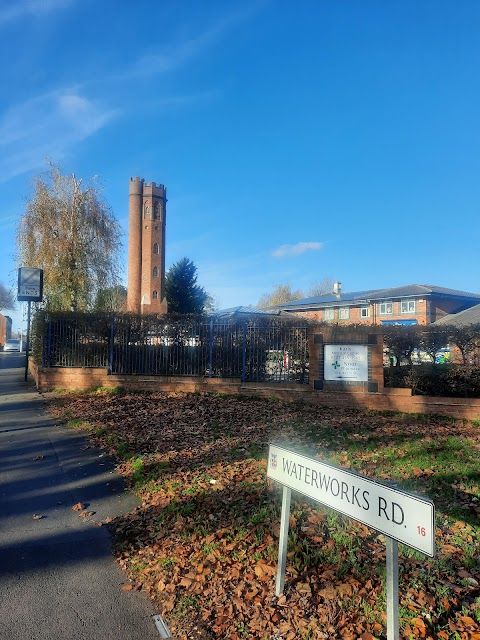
x: 58, y: 578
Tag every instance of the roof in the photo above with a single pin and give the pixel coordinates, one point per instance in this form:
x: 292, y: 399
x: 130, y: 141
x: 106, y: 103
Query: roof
x: 247, y: 311
x: 408, y: 291
x: 461, y: 319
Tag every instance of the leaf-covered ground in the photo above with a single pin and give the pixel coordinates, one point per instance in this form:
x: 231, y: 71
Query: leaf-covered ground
x: 204, y: 542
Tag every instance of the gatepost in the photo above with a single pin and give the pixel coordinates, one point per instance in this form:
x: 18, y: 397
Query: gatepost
x: 346, y: 359
x: 400, y: 516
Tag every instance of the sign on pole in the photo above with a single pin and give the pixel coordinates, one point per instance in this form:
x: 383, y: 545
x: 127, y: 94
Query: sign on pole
x: 400, y: 515
x: 30, y: 289
x: 30, y: 285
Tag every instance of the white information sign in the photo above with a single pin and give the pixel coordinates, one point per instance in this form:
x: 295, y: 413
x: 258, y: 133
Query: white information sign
x: 399, y: 515
x: 30, y: 285
x: 346, y: 362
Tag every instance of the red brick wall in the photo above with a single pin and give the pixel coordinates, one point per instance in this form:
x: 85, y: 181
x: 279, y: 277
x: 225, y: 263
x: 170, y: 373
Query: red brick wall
x: 5, y: 329
x: 375, y: 318
x: 389, y: 400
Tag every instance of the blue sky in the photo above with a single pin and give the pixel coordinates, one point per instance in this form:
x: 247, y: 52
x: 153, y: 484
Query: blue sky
x: 298, y: 140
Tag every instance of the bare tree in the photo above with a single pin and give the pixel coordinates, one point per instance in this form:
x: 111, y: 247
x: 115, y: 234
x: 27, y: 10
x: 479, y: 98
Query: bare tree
x: 69, y: 231
x: 7, y: 301
x: 281, y: 293
x: 320, y: 288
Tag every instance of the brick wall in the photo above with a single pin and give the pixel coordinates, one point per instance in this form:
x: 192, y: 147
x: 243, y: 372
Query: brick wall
x: 389, y: 400
x: 5, y: 329
x: 426, y: 311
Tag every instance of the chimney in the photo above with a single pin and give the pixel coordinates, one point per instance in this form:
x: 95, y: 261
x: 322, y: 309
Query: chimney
x: 337, y: 288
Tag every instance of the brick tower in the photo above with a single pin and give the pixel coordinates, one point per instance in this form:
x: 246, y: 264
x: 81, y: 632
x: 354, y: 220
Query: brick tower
x: 146, y: 247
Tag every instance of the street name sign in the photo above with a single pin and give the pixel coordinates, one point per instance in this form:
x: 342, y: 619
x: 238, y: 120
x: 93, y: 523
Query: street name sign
x: 400, y: 515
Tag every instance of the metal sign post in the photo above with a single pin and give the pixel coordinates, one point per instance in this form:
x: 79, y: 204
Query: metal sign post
x: 30, y: 289
x: 27, y: 342
x: 283, y: 542
x: 401, y: 516
x: 392, y: 590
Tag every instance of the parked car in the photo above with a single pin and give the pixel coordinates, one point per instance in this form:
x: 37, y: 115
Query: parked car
x: 12, y: 345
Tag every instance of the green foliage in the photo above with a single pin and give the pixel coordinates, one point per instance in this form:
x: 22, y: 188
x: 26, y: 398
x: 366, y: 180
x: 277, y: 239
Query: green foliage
x: 69, y: 231
x: 183, y: 293
x: 111, y: 299
x: 451, y: 380
x: 401, y: 342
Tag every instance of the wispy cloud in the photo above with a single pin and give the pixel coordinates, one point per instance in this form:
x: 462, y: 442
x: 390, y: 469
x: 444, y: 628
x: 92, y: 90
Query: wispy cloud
x: 287, y: 250
x: 21, y: 9
x: 158, y: 62
x: 47, y: 126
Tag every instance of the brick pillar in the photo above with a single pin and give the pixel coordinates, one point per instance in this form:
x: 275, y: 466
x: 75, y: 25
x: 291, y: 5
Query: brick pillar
x: 135, y: 245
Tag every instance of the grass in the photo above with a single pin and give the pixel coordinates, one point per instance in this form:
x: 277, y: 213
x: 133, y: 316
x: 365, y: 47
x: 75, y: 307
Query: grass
x: 230, y: 526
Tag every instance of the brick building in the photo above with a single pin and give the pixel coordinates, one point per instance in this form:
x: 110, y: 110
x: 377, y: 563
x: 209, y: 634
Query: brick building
x: 146, y: 247
x: 412, y: 304
x: 5, y: 329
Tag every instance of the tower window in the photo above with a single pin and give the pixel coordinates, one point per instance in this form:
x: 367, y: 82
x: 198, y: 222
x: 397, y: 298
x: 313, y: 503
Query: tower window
x: 155, y: 211
x: 155, y: 272
x: 154, y: 295
x: 146, y: 211
x: 155, y: 248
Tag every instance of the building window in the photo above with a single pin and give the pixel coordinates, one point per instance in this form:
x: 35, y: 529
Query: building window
x: 408, y: 306
x: 364, y: 312
x: 155, y: 272
x: 329, y: 314
x: 146, y: 211
x: 344, y: 313
x: 154, y: 295
x: 155, y: 211
x: 385, y: 308
x: 155, y: 248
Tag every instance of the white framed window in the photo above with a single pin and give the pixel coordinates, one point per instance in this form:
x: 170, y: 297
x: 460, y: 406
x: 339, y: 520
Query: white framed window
x: 344, y: 313
x: 408, y: 306
x: 154, y: 295
x: 364, y: 312
x: 385, y: 308
x: 329, y: 314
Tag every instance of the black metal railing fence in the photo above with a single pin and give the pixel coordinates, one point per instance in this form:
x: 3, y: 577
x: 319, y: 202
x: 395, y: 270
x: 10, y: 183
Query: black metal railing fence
x: 253, y: 349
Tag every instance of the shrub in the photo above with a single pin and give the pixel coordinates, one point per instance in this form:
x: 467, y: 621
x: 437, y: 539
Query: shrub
x: 457, y: 381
